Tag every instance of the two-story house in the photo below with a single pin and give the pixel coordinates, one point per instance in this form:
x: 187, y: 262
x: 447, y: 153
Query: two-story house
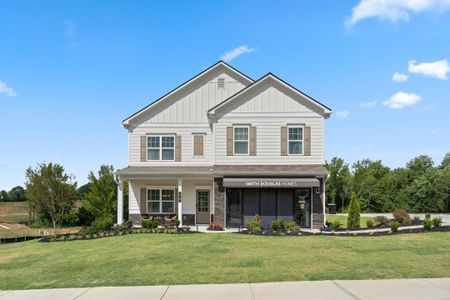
x: 223, y: 147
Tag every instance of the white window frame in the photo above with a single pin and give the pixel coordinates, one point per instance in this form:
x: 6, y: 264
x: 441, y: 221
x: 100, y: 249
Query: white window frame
x: 160, y: 136
x: 302, y: 140
x: 248, y: 139
x: 161, y: 188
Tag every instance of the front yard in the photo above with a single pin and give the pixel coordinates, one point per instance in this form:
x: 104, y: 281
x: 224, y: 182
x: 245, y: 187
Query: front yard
x: 150, y: 259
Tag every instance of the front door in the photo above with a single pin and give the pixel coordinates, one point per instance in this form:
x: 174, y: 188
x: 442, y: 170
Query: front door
x: 202, y: 214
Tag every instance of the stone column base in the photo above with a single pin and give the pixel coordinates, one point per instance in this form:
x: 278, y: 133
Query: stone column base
x: 136, y: 219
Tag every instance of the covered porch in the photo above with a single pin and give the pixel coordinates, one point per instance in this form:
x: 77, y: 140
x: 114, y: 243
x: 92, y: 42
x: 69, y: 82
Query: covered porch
x: 183, y: 193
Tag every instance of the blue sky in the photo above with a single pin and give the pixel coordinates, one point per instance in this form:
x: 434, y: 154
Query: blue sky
x: 70, y: 71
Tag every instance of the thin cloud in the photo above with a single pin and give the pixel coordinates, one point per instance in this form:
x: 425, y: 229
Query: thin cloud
x: 437, y: 69
x: 236, y: 52
x: 394, y: 10
x: 368, y: 104
x: 399, y: 77
x: 401, y: 100
x: 5, y: 89
x: 342, y: 114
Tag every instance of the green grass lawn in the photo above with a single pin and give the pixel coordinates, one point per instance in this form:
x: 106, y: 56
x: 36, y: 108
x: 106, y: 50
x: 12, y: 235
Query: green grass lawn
x: 343, y: 220
x: 151, y: 259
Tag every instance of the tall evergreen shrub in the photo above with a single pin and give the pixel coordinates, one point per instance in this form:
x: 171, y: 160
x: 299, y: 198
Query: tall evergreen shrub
x: 353, y: 212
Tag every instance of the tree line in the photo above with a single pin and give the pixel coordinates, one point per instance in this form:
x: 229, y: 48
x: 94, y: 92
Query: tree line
x: 420, y: 186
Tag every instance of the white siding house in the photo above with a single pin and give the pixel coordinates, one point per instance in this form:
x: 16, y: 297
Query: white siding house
x: 222, y: 147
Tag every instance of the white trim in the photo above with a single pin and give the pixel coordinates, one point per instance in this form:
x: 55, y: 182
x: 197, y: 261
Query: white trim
x: 161, y: 148
x: 248, y: 140
x: 312, y: 206
x: 160, y: 188
x: 302, y: 140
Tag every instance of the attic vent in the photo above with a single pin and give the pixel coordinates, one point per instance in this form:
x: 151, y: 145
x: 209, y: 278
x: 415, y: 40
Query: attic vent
x: 221, y: 83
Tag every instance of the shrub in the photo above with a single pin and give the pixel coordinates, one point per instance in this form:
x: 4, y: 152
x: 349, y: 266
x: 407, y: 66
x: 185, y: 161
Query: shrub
x: 400, y: 215
x: 101, y: 224
x: 278, y: 225
x: 381, y: 221
x: 394, y: 226
x: 369, y: 223
x: 215, y: 226
x: 254, y: 224
x: 85, y: 217
x: 328, y: 224
x: 336, y: 225
x: 177, y: 223
x: 292, y: 226
x: 416, y: 220
x: 406, y: 221
x: 436, y: 222
x: 150, y: 224
x: 354, y: 211
x: 427, y: 224
x: 71, y: 218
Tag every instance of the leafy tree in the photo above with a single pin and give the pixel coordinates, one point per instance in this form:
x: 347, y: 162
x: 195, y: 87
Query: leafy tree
x: 353, y: 213
x: 423, y: 193
x: 419, y: 165
x: 17, y: 193
x: 4, y: 196
x: 443, y: 185
x: 84, y: 189
x: 369, y: 184
x: 101, y: 200
x: 51, y: 190
x: 445, y: 161
x: 338, y: 184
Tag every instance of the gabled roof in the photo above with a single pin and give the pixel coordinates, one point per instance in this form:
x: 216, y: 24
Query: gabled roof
x: 269, y: 76
x: 215, y: 66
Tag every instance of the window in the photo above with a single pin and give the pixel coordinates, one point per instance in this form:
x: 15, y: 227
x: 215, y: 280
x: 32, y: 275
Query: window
x: 240, y: 141
x: 203, y: 201
x: 198, y: 145
x: 295, y: 140
x: 161, y: 200
x: 161, y: 147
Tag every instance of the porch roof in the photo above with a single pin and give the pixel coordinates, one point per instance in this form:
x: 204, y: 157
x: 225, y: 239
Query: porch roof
x: 226, y: 170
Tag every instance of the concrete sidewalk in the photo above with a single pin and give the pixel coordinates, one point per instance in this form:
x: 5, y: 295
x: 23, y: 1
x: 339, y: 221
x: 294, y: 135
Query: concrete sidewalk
x: 438, y: 288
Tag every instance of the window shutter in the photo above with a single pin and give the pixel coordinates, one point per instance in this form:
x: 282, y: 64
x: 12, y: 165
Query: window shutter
x: 283, y: 142
x: 307, y: 141
x: 178, y: 147
x: 198, y: 145
x: 143, y: 200
x: 253, y: 140
x: 229, y: 141
x: 143, y: 148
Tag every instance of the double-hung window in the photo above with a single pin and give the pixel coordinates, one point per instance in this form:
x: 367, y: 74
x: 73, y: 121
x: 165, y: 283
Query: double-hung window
x: 160, y: 200
x: 240, y: 140
x: 295, y: 140
x: 161, y: 147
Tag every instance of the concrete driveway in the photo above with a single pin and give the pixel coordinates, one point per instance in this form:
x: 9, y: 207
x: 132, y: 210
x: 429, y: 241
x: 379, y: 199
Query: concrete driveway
x: 438, y: 288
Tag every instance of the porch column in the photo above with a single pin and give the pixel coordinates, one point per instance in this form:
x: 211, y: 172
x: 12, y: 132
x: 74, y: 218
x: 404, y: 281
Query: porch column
x: 180, y: 202
x: 120, y: 202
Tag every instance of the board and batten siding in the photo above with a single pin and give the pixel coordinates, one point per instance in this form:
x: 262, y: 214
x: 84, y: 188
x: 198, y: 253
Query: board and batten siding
x: 192, y: 104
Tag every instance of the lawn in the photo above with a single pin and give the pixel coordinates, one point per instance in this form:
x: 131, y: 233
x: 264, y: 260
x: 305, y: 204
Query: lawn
x: 151, y: 259
x: 343, y: 220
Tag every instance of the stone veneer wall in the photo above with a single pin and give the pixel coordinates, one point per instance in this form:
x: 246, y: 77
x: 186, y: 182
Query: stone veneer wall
x: 219, y: 201
x: 136, y: 219
x: 318, y: 213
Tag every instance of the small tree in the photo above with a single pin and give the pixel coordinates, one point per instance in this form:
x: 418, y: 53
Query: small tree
x: 354, y: 211
x: 3, y: 195
x: 17, y: 193
x: 51, y: 191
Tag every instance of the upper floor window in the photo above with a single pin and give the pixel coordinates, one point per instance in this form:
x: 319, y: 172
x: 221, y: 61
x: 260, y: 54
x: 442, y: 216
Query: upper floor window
x: 161, y: 147
x: 295, y: 140
x: 240, y: 140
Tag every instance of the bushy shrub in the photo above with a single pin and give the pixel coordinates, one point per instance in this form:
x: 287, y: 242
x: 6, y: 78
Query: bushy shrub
x: 278, y: 225
x: 85, y: 217
x: 354, y: 213
x: 102, y: 224
x: 150, y: 224
x: 292, y: 226
x: 427, y: 224
x: 416, y: 220
x: 436, y: 222
x: 381, y: 221
x: 406, y: 221
x: 394, y: 226
x: 254, y: 224
x: 370, y: 223
x: 400, y: 215
x: 215, y: 226
x: 328, y: 224
x: 336, y: 225
x: 71, y: 219
x: 177, y: 223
